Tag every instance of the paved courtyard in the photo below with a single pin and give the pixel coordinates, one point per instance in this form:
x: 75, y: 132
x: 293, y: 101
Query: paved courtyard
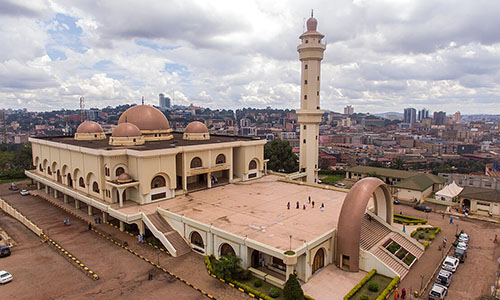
x: 258, y: 209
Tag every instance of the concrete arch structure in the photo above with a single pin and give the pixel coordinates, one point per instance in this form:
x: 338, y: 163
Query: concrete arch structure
x: 351, y: 216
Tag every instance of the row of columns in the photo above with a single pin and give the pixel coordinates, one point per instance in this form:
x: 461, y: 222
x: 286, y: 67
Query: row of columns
x: 90, y: 209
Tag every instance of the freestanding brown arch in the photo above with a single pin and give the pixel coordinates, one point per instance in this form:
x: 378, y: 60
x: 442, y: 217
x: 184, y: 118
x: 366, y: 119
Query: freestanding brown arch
x: 351, y: 216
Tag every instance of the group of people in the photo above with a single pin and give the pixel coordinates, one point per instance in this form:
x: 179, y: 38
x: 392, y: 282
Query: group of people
x: 397, y: 294
x: 304, y: 206
x: 66, y: 222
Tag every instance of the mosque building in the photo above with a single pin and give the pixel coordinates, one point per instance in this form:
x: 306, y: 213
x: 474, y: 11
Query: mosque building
x: 210, y: 193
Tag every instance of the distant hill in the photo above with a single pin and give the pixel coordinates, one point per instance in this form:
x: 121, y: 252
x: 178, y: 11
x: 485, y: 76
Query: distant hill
x: 390, y: 115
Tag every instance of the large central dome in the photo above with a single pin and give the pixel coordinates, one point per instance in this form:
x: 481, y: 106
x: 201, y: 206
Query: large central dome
x: 145, y: 117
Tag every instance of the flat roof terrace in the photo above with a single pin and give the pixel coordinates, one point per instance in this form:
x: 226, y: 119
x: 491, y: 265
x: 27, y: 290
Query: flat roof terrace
x: 176, y: 141
x: 258, y: 209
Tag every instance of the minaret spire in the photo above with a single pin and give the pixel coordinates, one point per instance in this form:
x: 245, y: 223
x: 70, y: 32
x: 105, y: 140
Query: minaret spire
x: 312, y: 13
x: 309, y: 115
x: 142, y: 100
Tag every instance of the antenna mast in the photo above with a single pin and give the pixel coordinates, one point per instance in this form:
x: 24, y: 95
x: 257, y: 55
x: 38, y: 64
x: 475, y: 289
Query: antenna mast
x: 82, y: 109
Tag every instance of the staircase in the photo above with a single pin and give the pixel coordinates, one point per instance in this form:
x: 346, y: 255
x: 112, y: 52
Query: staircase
x: 162, y: 230
x: 371, y: 232
x: 391, y: 261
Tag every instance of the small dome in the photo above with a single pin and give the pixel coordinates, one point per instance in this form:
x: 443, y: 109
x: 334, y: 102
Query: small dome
x: 312, y: 24
x: 124, y: 177
x: 196, y: 127
x: 145, y: 117
x: 89, y: 127
x: 126, y: 130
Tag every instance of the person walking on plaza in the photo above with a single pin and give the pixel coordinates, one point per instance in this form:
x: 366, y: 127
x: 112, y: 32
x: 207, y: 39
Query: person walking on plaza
x: 304, y: 206
x: 297, y: 205
x: 90, y: 226
x: 68, y: 222
x: 309, y: 199
x: 64, y: 221
x: 313, y: 204
x: 396, y: 294
x: 288, y: 205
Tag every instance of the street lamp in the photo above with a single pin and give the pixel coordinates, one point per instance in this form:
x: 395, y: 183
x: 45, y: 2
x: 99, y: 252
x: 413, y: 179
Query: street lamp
x: 421, y: 281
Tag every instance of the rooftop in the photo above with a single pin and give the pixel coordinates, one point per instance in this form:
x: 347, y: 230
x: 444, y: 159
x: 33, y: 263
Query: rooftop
x: 150, y: 145
x: 385, y: 172
x: 258, y: 209
x: 480, y: 194
x: 420, y: 182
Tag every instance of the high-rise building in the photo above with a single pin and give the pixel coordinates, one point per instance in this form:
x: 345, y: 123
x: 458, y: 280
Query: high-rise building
x: 309, y: 115
x: 164, y: 102
x: 423, y: 114
x: 348, y: 110
x: 439, y: 118
x: 410, y: 115
x: 457, y: 117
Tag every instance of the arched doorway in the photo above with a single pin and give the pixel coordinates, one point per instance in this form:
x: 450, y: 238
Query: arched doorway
x: 70, y: 180
x: 196, y: 239
x: 255, y: 261
x: 466, y: 205
x: 319, y: 260
x: 226, y: 249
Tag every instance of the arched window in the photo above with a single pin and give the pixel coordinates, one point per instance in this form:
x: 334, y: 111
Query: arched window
x: 252, y: 165
x: 40, y: 168
x: 49, y: 171
x: 95, y: 187
x: 221, y: 159
x: 158, y: 181
x: 196, y: 163
x: 81, y: 182
x: 70, y: 180
x: 196, y: 239
x: 226, y: 249
x: 119, y: 171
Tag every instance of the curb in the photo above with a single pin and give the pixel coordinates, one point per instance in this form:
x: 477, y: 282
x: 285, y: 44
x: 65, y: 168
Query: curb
x: 76, y: 262
x: 131, y: 251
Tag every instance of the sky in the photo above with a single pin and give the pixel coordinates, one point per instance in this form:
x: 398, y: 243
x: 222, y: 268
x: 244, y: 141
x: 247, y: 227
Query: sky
x: 381, y: 55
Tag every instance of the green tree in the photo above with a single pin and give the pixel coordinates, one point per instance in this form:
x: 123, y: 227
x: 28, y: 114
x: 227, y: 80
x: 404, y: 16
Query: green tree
x: 228, y: 267
x: 293, y: 290
x: 280, y: 155
x: 398, y: 163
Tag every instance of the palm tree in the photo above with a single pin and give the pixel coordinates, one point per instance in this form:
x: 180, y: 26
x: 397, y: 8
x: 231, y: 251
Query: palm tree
x: 398, y: 163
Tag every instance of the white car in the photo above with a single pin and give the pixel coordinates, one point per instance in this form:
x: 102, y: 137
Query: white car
x: 24, y: 192
x: 438, y: 291
x: 462, y: 246
x: 464, y: 238
x: 340, y: 185
x: 5, y: 277
x: 450, y: 263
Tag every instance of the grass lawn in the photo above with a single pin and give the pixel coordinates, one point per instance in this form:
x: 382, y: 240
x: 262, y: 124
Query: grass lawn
x: 12, y: 180
x: 264, y: 288
x: 382, y: 282
x: 331, y: 179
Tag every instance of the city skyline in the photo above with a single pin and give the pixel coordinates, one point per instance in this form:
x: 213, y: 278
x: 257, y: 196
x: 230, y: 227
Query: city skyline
x: 380, y: 57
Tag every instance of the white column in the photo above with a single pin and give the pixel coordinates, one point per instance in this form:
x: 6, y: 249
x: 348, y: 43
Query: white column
x: 65, y: 198
x: 77, y: 204
x: 122, y: 226
x: 46, y: 189
x: 55, y: 193
x: 104, y: 217
x: 38, y: 186
x: 142, y: 229
x: 209, y: 180
x: 90, y: 210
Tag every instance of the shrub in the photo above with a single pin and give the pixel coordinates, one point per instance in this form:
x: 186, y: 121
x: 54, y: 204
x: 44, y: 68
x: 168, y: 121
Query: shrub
x: 364, y: 297
x: 274, y: 292
x: 228, y: 267
x: 373, y: 287
x: 413, y: 233
x: 293, y: 290
x: 426, y: 244
x: 432, y: 237
x: 421, y: 236
x: 257, y: 283
x: 245, y: 275
x: 289, y: 252
x: 358, y: 286
x: 438, y: 229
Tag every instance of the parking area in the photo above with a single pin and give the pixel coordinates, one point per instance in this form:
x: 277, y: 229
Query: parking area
x: 41, y: 273
x: 476, y: 275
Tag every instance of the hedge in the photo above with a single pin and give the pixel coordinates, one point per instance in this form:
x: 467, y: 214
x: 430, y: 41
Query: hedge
x: 407, y: 220
x: 390, y: 287
x: 426, y: 244
x: 436, y: 230
x: 358, y: 286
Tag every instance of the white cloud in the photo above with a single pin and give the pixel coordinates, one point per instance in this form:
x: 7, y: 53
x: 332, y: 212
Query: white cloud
x: 229, y: 54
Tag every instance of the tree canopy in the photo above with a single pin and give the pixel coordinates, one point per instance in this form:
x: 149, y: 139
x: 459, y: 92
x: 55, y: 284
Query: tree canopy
x: 280, y: 155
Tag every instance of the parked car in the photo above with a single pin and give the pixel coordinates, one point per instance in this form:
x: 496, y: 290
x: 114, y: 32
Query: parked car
x: 450, y: 263
x: 422, y: 207
x: 340, y: 185
x: 13, y: 187
x: 396, y: 201
x: 463, y: 246
x: 438, y: 292
x: 5, y: 277
x: 460, y: 254
x: 463, y: 238
x: 24, y: 192
x: 444, y: 277
x: 4, y: 251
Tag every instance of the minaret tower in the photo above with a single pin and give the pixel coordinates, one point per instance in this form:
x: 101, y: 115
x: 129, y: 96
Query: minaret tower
x: 309, y: 115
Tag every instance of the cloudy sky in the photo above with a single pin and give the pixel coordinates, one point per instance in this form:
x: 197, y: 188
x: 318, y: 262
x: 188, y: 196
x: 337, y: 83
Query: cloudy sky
x: 381, y: 55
